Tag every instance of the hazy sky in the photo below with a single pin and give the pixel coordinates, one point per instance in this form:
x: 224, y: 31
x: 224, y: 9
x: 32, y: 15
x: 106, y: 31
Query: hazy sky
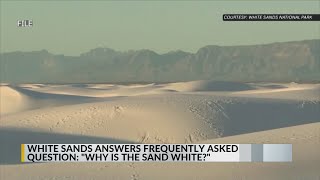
x: 74, y: 27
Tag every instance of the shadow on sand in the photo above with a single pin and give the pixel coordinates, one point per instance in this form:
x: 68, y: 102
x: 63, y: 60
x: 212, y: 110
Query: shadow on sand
x: 266, y: 114
x: 12, y: 138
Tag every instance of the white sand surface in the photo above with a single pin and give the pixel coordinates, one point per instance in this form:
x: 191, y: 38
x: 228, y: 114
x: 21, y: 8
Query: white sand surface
x: 184, y: 112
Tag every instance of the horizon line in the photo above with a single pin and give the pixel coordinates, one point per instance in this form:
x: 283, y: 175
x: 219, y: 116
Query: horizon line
x: 144, y: 49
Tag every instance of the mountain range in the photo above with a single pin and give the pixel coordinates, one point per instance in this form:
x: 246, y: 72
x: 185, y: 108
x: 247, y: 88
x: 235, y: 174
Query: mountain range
x: 285, y: 61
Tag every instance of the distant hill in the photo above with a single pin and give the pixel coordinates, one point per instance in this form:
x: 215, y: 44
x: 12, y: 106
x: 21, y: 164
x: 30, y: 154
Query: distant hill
x: 287, y: 61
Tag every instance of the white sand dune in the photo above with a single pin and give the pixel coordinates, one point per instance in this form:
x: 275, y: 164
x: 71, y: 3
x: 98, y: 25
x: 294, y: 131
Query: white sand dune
x: 16, y: 99
x: 287, y: 91
x: 11, y: 101
x: 209, y: 86
x: 188, y: 112
x: 170, y: 118
x: 97, y: 90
